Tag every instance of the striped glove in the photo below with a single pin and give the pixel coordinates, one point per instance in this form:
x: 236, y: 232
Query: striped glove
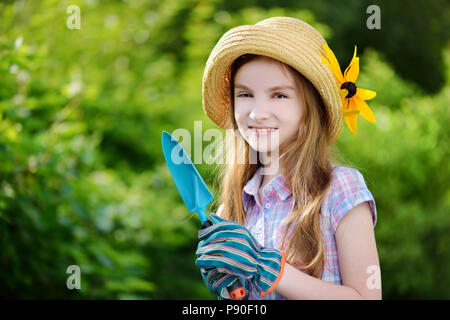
x: 230, y: 248
x: 218, y: 282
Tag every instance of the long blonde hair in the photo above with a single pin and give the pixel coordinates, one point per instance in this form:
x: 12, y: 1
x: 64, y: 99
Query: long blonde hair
x: 308, y: 157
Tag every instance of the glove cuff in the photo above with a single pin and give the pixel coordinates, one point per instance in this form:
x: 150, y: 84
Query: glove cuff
x: 280, y: 275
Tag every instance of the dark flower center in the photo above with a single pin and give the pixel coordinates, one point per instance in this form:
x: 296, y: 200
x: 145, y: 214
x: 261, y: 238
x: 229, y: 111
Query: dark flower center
x: 351, y: 88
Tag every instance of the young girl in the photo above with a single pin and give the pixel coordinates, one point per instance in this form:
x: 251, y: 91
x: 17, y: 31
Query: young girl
x: 306, y: 230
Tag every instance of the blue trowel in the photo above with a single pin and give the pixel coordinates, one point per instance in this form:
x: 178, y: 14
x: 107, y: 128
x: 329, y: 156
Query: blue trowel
x: 193, y: 190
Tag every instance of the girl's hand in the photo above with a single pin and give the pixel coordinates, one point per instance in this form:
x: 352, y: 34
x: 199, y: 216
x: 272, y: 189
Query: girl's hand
x: 230, y: 248
x: 218, y: 282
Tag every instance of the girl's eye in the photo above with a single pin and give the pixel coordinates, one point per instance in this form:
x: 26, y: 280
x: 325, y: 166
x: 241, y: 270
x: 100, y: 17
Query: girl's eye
x: 280, y: 95
x: 277, y: 95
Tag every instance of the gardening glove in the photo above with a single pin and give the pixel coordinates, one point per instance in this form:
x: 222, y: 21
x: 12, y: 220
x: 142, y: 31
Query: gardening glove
x: 230, y: 248
x: 218, y: 282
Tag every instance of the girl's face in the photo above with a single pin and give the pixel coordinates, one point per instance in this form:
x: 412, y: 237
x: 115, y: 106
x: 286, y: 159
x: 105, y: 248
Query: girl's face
x: 266, y: 96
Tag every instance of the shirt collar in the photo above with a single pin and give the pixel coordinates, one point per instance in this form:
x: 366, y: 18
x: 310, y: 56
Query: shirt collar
x: 251, y: 188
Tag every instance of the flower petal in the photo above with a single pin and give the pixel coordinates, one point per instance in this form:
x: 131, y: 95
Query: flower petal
x: 352, y: 123
x: 351, y: 108
x: 365, y: 94
x: 343, y: 93
x: 334, y: 65
x: 351, y: 115
x: 354, y: 59
x: 352, y: 71
x: 345, y: 103
x: 325, y: 62
x: 364, y: 110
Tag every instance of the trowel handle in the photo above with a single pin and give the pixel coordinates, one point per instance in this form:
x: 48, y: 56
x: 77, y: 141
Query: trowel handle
x: 236, y: 289
x: 206, y: 224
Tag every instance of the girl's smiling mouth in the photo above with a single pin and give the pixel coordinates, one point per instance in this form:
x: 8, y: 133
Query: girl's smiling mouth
x: 261, y: 127
x: 261, y: 131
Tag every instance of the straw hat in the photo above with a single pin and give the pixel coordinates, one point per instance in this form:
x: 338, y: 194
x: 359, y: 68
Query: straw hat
x: 286, y: 39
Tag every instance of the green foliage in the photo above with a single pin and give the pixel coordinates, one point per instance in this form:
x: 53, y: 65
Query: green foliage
x: 404, y: 161
x: 83, y: 179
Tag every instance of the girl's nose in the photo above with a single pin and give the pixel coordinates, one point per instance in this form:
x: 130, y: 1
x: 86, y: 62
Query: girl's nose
x: 260, y: 111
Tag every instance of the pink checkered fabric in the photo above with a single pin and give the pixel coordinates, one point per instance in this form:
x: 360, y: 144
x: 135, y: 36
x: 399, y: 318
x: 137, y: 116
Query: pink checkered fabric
x: 265, y: 217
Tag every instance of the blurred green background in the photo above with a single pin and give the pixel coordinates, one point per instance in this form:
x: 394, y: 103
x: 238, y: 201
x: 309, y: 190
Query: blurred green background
x: 82, y: 175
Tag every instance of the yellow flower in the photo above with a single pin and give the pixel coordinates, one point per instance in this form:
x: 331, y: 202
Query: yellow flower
x: 353, y: 98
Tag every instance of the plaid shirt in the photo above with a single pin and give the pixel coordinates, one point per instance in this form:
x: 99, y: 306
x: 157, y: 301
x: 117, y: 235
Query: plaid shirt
x: 264, y: 217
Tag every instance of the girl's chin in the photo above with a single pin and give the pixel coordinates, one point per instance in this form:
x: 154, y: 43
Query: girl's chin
x: 263, y: 147
x: 265, y: 143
